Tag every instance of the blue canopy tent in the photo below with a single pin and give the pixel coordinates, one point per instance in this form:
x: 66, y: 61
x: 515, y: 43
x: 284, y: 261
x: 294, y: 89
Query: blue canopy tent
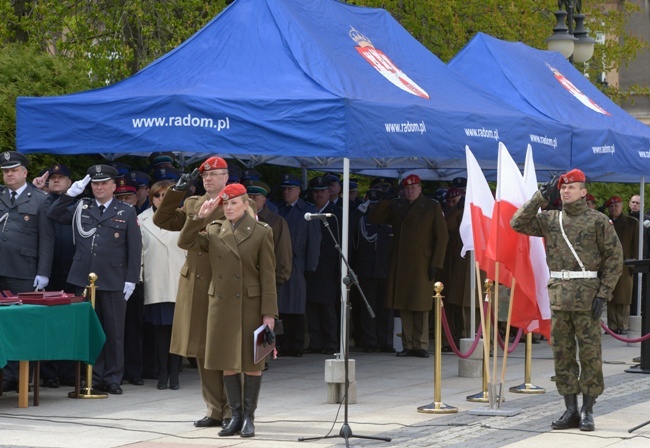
x: 608, y: 144
x: 280, y: 79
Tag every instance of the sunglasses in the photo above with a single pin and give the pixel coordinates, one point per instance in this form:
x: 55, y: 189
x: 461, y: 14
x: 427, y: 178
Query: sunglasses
x: 159, y: 195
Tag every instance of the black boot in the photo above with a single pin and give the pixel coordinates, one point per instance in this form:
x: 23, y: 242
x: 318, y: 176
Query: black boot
x: 232, y: 384
x: 570, y: 418
x: 252, y: 385
x: 586, y: 413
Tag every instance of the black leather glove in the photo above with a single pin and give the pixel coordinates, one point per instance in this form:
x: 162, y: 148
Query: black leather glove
x: 375, y: 195
x: 432, y: 273
x: 549, y: 188
x: 186, y: 180
x: 597, y: 307
x: 269, y: 337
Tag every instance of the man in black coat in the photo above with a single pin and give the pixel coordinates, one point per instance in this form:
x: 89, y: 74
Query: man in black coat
x: 27, y: 240
x: 108, y: 243
x: 324, y: 285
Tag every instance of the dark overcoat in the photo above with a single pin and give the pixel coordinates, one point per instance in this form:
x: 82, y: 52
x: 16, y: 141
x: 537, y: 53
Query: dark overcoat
x: 242, y: 290
x: 27, y: 240
x: 281, y: 241
x: 324, y: 286
x: 305, y: 244
x: 627, y: 229
x: 455, y: 274
x: 420, y: 242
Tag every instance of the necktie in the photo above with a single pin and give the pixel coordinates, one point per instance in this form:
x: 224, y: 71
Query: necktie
x: 13, y: 197
x: 101, y: 209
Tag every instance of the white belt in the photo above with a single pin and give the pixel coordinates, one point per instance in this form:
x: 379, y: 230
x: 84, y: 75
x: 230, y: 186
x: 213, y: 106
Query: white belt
x: 567, y: 275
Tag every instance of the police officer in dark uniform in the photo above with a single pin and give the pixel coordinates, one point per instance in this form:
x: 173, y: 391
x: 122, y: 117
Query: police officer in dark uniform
x: 108, y: 243
x: 27, y: 237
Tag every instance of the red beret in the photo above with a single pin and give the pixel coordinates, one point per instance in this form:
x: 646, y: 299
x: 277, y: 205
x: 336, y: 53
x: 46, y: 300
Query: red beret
x: 614, y: 200
x: 453, y: 192
x: 575, y: 175
x: 213, y: 163
x: 231, y: 191
x: 411, y: 179
x: 590, y: 197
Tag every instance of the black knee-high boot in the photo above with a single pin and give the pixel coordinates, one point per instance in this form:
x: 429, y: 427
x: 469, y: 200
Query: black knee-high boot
x: 252, y: 385
x: 232, y: 384
x: 586, y: 413
x: 174, y: 368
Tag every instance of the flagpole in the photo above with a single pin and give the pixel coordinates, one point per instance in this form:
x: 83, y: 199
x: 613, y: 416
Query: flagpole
x: 483, y: 396
x: 507, y: 340
x: 495, y: 342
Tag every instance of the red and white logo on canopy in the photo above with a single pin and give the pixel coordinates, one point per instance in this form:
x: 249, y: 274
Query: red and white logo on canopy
x: 573, y: 90
x: 385, y: 66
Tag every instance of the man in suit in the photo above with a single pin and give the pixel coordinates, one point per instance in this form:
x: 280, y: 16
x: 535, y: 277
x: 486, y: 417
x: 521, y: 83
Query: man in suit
x: 324, y: 286
x: 109, y: 243
x: 418, y: 253
x: 191, y: 312
x: 27, y: 241
x: 305, y: 243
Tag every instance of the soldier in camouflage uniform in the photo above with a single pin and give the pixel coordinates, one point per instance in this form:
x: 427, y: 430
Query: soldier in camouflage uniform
x: 585, y: 266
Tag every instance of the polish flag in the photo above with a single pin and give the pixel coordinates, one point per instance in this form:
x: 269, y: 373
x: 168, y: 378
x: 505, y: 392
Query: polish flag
x: 477, y: 219
x: 538, y: 257
x: 511, y: 248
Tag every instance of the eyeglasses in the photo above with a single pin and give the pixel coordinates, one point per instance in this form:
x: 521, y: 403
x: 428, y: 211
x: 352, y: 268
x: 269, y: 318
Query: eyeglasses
x: 212, y: 174
x: 159, y: 195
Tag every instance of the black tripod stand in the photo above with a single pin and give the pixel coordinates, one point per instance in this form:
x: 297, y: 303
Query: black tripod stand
x: 350, y: 279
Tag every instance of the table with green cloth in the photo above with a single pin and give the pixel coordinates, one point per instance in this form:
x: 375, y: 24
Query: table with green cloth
x: 59, y: 332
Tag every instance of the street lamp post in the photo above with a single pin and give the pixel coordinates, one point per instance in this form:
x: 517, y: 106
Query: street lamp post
x: 572, y: 42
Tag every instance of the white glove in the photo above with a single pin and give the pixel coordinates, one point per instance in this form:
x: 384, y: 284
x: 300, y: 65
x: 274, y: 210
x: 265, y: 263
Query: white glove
x: 78, y: 187
x: 128, y: 290
x: 40, y: 282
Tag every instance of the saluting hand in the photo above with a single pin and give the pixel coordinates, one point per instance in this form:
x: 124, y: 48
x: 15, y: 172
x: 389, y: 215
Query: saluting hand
x: 41, y: 181
x: 206, y: 208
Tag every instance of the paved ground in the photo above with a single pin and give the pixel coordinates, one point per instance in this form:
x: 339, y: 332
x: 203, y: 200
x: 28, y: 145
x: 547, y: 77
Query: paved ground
x: 293, y: 404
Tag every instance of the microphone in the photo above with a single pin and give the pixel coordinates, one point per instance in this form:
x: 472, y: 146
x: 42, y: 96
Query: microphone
x: 310, y: 216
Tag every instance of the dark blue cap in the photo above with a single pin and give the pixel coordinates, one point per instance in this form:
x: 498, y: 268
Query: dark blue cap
x: 166, y: 174
x: 13, y: 159
x: 57, y: 168
x: 101, y: 173
x: 291, y: 180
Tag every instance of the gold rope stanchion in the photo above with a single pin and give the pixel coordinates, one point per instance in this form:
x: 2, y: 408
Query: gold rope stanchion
x: 527, y: 387
x: 438, y: 407
x: 88, y: 391
x: 484, y: 396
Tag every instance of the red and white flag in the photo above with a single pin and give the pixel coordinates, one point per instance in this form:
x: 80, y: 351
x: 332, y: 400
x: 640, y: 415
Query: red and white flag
x: 510, y: 248
x: 477, y: 219
x: 538, y: 256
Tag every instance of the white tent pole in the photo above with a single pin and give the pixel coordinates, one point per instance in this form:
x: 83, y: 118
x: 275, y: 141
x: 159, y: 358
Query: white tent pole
x: 344, y: 249
x: 639, y: 282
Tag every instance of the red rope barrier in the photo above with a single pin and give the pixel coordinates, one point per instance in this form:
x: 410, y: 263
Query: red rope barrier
x: 621, y: 338
x: 452, y: 343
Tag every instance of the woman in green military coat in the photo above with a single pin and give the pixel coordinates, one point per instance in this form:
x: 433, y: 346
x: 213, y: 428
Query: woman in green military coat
x: 242, y: 297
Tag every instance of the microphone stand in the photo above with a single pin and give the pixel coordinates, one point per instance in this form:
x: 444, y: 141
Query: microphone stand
x: 350, y: 279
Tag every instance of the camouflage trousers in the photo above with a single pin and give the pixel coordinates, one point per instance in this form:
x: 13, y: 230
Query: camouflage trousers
x: 567, y: 329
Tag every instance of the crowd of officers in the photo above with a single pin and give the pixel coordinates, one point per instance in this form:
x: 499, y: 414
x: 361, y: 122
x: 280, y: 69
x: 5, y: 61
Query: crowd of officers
x: 55, y: 231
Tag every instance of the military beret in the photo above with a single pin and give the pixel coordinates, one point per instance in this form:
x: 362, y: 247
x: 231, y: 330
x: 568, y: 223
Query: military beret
x: 140, y: 178
x: 318, y: 183
x: 166, y: 174
x: 575, y: 175
x: 411, y: 179
x: 125, y: 186
x: 13, y: 159
x: 590, y: 197
x: 213, y: 163
x: 257, y: 187
x: 613, y: 200
x: 454, y: 192
x: 57, y: 168
x: 290, y: 180
x: 101, y: 173
x: 230, y: 192
x: 459, y: 182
